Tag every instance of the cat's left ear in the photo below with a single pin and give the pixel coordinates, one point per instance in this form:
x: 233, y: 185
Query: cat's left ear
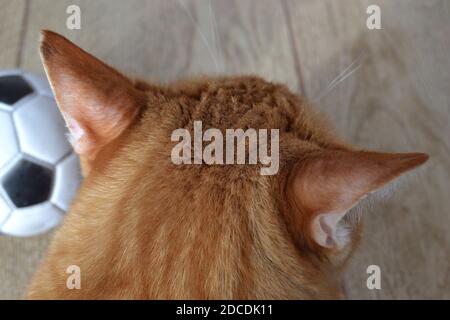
x: 326, y: 185
x: 97, y: 102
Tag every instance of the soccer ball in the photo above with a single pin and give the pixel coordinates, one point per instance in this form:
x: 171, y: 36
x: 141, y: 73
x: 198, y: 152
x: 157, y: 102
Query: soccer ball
x: 39, y: 172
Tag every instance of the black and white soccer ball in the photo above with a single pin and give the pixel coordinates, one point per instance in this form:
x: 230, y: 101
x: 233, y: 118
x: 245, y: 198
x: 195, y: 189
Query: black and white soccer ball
x: 39, y: 172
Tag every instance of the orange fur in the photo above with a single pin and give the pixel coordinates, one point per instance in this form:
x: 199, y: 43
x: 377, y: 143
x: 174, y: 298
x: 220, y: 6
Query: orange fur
x: 144, y: 228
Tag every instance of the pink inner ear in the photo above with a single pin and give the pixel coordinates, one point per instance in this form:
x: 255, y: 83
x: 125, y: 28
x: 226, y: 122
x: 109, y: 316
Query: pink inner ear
x: 327, y: 184
x: 76, y: 132
x: 97, y: 101
x: 324, y: 229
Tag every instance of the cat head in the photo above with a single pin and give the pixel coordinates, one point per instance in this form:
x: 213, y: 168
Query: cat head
x: 298, y: 219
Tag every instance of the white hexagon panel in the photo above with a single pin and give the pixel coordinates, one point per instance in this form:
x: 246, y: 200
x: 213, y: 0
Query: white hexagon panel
x: 8, y: 142
x: 5, y: 210
x: 67, y: 181
x: 35, y: 121
x: 32, y: 220
x: 39, y: 171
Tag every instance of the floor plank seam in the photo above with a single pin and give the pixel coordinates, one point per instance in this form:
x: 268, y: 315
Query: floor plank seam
x: 23, y: 32
x: 293, y: 45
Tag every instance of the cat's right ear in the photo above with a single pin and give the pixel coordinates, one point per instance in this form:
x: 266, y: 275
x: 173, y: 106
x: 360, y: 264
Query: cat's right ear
x: 97, y: 102
x: 326, y: 185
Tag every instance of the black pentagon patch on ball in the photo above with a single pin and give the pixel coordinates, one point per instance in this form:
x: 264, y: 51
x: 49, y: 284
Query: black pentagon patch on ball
x: 28, y: 184
x: 13, y: 88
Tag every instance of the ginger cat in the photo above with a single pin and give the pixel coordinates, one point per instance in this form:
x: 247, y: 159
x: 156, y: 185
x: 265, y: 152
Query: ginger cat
x: 143, y: 227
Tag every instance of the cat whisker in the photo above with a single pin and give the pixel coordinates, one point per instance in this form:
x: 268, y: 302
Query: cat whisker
x: 340, y: 75
x: 355, y: 65
x: 202, y: 35
x: 215, y: 35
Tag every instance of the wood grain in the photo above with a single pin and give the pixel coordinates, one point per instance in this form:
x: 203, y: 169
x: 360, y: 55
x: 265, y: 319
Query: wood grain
x: 398, y: 100
x: 18, y: 256
x: 166, y: 40
x: 12, y: 21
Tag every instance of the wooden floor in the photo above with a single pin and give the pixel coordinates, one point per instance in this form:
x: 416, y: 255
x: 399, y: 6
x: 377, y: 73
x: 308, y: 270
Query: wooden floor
x: 397, y: 100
